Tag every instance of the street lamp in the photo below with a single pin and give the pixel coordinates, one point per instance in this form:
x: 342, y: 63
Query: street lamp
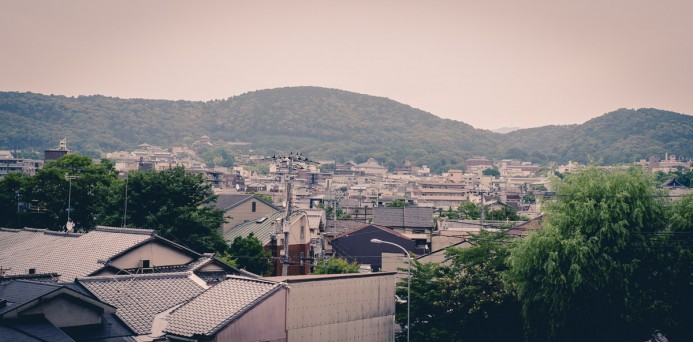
x: 69, y: 225
x: 408, y: 278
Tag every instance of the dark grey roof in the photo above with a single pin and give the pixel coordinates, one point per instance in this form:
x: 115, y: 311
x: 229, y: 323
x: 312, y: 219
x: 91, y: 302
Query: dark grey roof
x: 19, y: 292
x: 39, y: 329
x: 141, y: 297
x: 70, y: 255
x: 34, y: 329
x: 421, y: 217
x: 216, y: 307
x: 230, y: 201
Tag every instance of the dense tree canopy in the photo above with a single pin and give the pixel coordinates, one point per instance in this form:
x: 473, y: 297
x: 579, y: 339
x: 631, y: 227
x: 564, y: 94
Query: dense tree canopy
x: 73, y: 180
x: 335, y: 265
x: 176, y: 203
x: 598, y: 262
x: 466, y: 300
x: 251, y: 255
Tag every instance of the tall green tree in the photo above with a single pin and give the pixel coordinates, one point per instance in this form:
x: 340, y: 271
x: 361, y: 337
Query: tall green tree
x: 12, y: 189
x: 251, y: 255
x: 178, y: 204
x: 466, y: 299
x: 73, y: 182
x: 589, y: 273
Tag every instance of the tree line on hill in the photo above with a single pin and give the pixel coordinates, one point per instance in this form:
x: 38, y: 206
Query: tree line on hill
x: 329, y: 124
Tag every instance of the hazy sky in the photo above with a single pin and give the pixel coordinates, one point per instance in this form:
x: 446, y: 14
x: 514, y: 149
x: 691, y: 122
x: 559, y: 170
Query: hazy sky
x: 488, y: 63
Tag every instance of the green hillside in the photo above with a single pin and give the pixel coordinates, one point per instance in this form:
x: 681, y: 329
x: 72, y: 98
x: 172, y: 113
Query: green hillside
x: 327, y: 123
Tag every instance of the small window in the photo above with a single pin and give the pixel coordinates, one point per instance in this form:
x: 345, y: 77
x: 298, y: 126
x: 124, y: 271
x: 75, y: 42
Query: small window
x: 254, y: 206
x: 32, y: 271
x: 303, y: 232
x: 145, y: 264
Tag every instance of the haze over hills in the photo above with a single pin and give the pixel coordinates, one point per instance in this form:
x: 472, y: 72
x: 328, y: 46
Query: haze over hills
x: 329, y: 123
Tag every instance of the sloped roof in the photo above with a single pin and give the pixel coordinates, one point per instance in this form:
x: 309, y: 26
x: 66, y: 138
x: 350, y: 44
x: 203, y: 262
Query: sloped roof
x: 218, y: 306
x: 524, y: 228
x: 21, y: 293
x: 35, y: 329
x: 403, y: 217
x: 230, y: 201
x: 68, y: 254
x: 672, y: 183
x: 139, y: 298
x: 364, y: 226
x: 261, y: 228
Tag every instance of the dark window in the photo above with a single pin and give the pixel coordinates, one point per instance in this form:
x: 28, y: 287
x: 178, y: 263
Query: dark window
x: 145, y: 264
x: 32, y: 271
x: 254, y: 206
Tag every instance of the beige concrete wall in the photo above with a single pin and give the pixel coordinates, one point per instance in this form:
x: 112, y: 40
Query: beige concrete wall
x: 265, y: 322
x: 158, y: 255
x: 244, y: 213
x: 342, y: 309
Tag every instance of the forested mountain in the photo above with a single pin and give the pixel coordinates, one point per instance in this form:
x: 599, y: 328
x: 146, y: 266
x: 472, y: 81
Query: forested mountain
x: 328, y: 123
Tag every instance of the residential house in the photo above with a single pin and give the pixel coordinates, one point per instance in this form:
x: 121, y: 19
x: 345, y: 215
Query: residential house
x: 273, y: 230
x: 240, y: 208
x: 356, y: 245
x: 415, y: 223
x: 34, y: 311
x: 145, y: 300
x: 102, y: 251
x: 238, y: 309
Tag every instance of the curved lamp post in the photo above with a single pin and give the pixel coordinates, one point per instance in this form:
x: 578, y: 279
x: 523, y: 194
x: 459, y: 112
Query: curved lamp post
x: 408, y: 278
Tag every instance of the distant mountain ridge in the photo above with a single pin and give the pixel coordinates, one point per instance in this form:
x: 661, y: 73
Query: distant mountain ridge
x: 504, y: 130
x: 329, y: 123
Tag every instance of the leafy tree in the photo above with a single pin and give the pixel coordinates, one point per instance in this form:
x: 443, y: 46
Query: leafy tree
x: 505, y: 213
x: 49, y: 194
x: 335, y: 265
x: 491, y: 172
x: 466, y: 300
x: 216, y: 156
x: 178, y: 204
x: 262, y: 169
x: 251, y: 255
x: 470, y: 210
x: 674, y: 279
x: 529, y: 198
x: 450, y: 213
x: 398, y: 203
x: 11, y: 195
x: 590, y: 273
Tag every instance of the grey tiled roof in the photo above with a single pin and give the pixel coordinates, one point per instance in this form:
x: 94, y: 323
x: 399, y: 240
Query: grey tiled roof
x: 261, y: 229
x: 229, y: 201
x: 212, y: 310
x: 225, y: 201
x: 403, y: 217
x: 70, y: 255
x: 141, y: 297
